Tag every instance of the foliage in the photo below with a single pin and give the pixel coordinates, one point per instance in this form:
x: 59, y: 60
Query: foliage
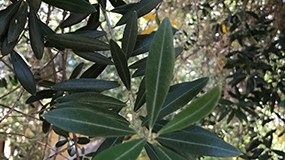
x: 81, y: 104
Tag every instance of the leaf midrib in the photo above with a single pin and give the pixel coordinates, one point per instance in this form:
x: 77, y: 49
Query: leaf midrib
x: 198, y: 144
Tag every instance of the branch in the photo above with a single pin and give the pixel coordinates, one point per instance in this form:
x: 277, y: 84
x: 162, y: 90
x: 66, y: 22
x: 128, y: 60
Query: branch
x: 14, y: 105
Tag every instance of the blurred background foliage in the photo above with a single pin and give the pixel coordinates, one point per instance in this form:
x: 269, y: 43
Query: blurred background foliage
x: 237, y: 43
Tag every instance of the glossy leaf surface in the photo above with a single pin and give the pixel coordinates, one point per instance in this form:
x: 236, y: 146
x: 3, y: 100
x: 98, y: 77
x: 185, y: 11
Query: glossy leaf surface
x: 17, y: 23
x: 94, y: 99
x: 130, y: 35
x: 128, y: 150
x: 159, y: 70
x: 36, y: 36
x: 166, y: 154
x: 94, y: 71
x: 6, y: 16
x: 77, y: 6
x: 180, y: 96
x: 198, y: 141
x: 77, y: 42
x: 121, y: 63
x: 23, y: 72
x: 198, y: 109
x: 94, y: 57
x: 83, y: 84
x: 87, y: 122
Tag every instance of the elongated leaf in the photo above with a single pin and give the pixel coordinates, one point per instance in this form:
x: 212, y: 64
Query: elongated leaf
x: 78, y: 43
x: 6, y: 47
x: 79, y: 85
x: 73, y: 19
x: 6, y: 16
x: 77, y: 70
x: 198, y: 141
x: 23, y: 72
x: 77, y: 6
x: 198, y: 109
x: 116, y: 3
x: 94, y: 57
x: 89, y: 33
x: 140, y: 100
x: 34, y: 4
x: 87, y: 122
x: 94, y: 71
x: 151, y: 151
x: 109, y: 143
x: 94, y: 99
x: 130, y: 35
x: 95, y: 108
x: 121, y: 64
x: 142, y: 7
x: 128, y: 150
x: 36, y: 36
x: 41, y: 95
x: 167, y: 154
x: 159, y: 70
x: 181, y: 96
x: 17, y: 23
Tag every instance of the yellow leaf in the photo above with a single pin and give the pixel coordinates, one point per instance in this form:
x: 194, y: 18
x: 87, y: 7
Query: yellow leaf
x: 174, y: 24
x: 149, y: 16
x: 224, y: 28
x: 149, y: 30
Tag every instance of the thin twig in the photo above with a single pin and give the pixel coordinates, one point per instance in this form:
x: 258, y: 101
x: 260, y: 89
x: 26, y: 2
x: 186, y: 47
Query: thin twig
x: 75, y: 139
x: 14, y: 105
x: 10, y: 92
x: 108, y: 23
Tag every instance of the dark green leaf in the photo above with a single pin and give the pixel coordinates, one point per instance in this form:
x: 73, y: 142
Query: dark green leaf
x: 198, y: 109
x: 142, y: 7
x: 151, y: 151
x: 23, y: 72
x: 100, y: 110
x: 116, y: 3
x: 84, y: 85
x: 140, y: 100
x: 128, y: 150
x: 77, y: 6
x: 45, y: 126
x: 93, y: 98
x: 34, y: 4
x: 89, y: 33
x: 77, y: 42
x: 94, y: 71
x: 40, y: 95
x: 94, y: 57
x: 138, y: 63
x: 109, y: 143
x: 198, y: 141
x: 6, y: 16
x: 61, y: 143
x: 77, y: 70
x: 181, y: 96
x: 17, y: 23
x: 167, y: 154
x: 36, y: 36
x: 60, y: 132
x: 6, y: 47
x: 72, y: 19
x: 143, y: 43
x: 83, y: 140
x: 130, y: 35
x: 159, y: 70
x: 121, y: 64
x: 87, y: 122
x: 140, y: 71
